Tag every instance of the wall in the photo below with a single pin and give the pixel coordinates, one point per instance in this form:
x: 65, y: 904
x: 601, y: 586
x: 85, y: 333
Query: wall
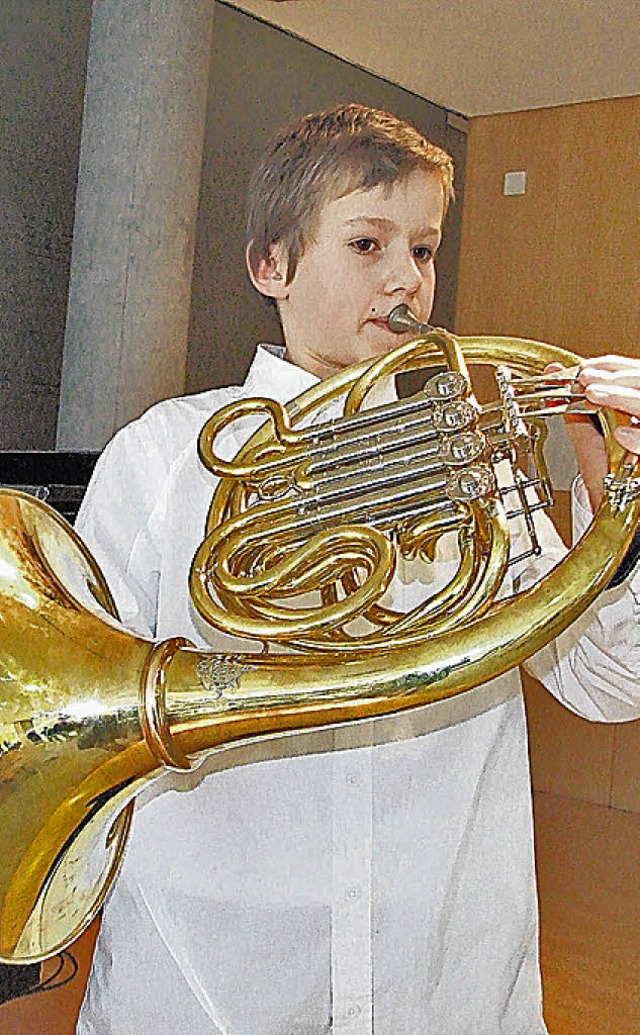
x: 560, y: 264
x: 262, y: 78
x: 43, y: 50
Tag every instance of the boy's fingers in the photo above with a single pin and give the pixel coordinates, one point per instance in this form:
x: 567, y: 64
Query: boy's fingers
x: 610, y: 362
x: 629, y: 438
x: 620, y: 396
x: 610, y: 377
x: 612, y: 381
x: 610, y: 368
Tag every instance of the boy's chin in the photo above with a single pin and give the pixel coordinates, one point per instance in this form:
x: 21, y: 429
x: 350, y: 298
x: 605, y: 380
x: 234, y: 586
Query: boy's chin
x: 380, y: 338
x: 375, y: 350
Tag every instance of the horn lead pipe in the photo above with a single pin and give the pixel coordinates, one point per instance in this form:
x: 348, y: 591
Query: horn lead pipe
x: 401, y: 319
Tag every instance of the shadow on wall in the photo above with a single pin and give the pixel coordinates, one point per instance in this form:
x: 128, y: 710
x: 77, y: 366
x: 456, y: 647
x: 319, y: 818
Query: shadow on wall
x: 42, y: 71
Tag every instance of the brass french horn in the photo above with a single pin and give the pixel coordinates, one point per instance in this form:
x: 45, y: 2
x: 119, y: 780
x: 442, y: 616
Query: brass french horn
x: 303, y: 535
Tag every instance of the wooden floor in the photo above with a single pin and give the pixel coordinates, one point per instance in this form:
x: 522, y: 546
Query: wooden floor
x: 589, y: 881
x: 54, y: 1012
x: 589, y: 886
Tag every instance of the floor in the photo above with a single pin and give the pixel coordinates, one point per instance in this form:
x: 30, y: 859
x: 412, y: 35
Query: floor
x: 53, y: 1012
x: 589, y: 886
x: 589, y: 881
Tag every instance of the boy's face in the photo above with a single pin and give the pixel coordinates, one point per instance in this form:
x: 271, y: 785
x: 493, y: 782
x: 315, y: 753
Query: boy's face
x: 371, y: 250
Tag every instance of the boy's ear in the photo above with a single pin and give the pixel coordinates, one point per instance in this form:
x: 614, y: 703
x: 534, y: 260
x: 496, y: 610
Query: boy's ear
x: 269, y: 275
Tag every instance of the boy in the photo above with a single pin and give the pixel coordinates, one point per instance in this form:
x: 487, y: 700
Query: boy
x: 388, y: 886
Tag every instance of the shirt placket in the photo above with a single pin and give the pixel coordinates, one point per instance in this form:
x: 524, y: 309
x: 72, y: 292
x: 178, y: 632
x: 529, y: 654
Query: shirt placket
x: 351, y: 929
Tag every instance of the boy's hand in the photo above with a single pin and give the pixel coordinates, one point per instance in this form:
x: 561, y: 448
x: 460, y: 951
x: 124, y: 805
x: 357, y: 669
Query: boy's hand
x: 608, y: 381
x: 615, y: 381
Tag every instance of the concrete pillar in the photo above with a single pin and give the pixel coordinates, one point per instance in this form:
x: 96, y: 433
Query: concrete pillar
x: 137, y: 198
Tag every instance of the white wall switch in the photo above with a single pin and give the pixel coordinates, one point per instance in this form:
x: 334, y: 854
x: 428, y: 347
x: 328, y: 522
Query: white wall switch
x: 515, y: 183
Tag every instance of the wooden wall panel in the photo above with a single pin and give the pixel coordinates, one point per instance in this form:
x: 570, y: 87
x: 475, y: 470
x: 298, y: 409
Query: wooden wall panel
x: 560, y: 264
x: 504, y: 277
x: 596, y: 244
x: 625, y: 784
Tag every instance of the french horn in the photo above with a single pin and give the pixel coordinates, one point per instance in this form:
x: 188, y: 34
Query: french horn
x: 303, y: 537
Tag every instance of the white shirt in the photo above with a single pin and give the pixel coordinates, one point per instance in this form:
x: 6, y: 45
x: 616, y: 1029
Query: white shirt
x: 377, y: 878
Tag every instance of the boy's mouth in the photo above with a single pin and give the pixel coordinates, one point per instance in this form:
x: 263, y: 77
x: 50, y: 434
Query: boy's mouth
x: 380, y: 320
x: 382, y: 323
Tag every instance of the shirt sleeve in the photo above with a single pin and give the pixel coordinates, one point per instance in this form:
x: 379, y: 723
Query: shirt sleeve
x: 594, y: 666
x: 115, y: 521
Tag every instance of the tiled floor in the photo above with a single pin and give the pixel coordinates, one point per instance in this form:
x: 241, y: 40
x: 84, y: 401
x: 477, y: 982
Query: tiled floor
x: 589, y: 880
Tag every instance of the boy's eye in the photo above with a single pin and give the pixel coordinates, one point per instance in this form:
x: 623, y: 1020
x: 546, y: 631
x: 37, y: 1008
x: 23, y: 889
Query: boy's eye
x: 423, y: 253
x: 364, y: 245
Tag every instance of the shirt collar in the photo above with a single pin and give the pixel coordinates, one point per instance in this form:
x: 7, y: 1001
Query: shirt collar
x: 272, y: 375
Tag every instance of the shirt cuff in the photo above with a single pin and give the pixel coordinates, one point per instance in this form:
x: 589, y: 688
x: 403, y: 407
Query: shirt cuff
x: 581, y: 512
x: 581, y: 517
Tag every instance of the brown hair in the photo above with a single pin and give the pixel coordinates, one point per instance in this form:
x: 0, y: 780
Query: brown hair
x: 324, y: 156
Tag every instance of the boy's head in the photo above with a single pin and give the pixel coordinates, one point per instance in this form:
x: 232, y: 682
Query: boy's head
x: 324, y: 156
x: 346, y: 218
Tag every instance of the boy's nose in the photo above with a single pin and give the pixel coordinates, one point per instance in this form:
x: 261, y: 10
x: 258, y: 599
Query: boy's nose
x: 403, y: 275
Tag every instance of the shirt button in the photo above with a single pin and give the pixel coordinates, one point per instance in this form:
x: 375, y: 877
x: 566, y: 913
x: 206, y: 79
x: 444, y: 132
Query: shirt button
x: 353, y: 892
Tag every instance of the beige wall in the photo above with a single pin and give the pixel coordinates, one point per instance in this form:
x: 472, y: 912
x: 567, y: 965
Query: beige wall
x: 560, y: 264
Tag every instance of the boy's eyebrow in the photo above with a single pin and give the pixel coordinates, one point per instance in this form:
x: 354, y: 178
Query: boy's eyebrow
x: 373, y: 220
x: 384, y: 224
